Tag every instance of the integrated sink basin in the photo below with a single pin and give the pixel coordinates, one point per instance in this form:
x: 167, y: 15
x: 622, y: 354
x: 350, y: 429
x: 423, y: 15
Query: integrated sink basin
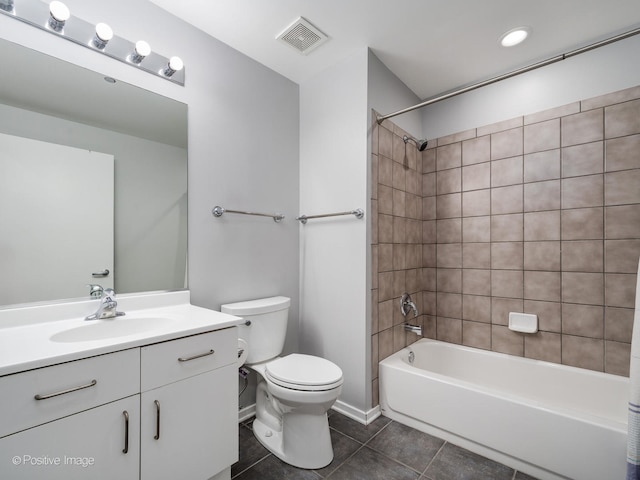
x: 93, y: 330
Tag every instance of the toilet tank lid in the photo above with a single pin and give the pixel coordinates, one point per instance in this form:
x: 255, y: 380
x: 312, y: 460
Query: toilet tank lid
x: 256, y: 307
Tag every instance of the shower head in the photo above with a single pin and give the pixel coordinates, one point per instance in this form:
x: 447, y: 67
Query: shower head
x: 420, y: 144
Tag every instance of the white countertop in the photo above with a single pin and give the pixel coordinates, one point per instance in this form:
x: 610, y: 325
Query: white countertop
x: 25, y: 333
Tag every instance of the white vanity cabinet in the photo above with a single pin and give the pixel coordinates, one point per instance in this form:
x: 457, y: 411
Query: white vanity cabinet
x: 161, y: 411
x: 189, y: 413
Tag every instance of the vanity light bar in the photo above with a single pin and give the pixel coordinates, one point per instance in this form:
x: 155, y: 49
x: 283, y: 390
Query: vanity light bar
x: 57, y: 20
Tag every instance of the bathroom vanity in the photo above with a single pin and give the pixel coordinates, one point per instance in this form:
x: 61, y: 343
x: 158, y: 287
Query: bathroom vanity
x: 150, y: 395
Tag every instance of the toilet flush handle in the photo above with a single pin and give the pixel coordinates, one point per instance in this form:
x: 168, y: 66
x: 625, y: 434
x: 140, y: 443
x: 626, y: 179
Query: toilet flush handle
x: 248, y: 323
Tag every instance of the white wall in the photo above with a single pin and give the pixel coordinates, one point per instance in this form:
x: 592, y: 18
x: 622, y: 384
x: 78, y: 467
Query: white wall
x: 333, y: 254
x: 603, y: 70
x: 243, y: 147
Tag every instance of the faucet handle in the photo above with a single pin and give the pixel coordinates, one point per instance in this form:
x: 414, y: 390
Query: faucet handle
x: 108, y: 292
x: 95, y: 290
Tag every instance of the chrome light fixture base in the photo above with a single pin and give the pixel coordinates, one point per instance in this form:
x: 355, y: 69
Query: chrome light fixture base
x: 81, y: 32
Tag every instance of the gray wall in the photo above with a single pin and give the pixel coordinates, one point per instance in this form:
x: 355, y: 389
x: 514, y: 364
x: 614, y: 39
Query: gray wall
x: 243, y: 148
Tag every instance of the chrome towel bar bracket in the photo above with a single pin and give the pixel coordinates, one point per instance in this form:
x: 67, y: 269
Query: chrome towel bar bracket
x: 219, y: 211
x: 358, y: 213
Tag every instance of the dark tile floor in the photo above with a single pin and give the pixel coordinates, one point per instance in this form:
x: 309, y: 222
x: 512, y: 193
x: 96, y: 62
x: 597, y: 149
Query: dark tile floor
x: 382, y: 450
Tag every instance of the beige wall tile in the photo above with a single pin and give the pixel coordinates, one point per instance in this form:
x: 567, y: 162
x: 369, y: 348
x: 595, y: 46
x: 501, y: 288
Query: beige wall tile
x: 542, y: 286
x: 549, y: 314
x: 620, y: 290
x: 476, y: 335
x: 449, y: 305
x: 413, y: 231
x: 399, y: 176
x: 399, y: 256
x: 385, y: 257
x: 449, y: 181
x: 583, y: 256
x: 430, y: 279
x: 542, y: 226
x: 399, y: 203
x: 449, y: 255
x: 621, y: 256
x: 507, y: 171
x: 449, y: 156
x: 622, y: 119
x: 583, y: 320
x: 476, y: 282
x: 543, y: 346
x: 542, y: 256
x: 504, y: 340
x: 450, y: 330
x: 618, y: 324
x: 542, y: 196
x: 429, y: 231
x: 622, y: 188
x: 581, y: 192
x: 429, y: 305
x: 507, y: 283
x: 413, y: 205
x: 507, y: 255
x: 414, y: 182
x: 476, y: 229
x: 429, y: 160
x: 622, y: 222
x: 374, y: 176
x: 374, y: 222
x: 500, y: 126
x: 399, y: 282
x: 385, y: 343
x: 542, y: 136
x: 449, y: 206
x: 375, y: 324
x: 583, y: 224
x: 476, y: 308
x: 500, y: 308
x: 477, y: 150
x: 385, y: 229
x: 385, y: 314
x: 476, y: 255
x: 622, y: 153
x: 449, y: 280
x: 476, y: 177
x: 374, y: 356
x: 457, y: 137
x: 542, y: 166
x: 611, y: 98
x: 476, y: 203
x: 617, y: 357
x: 399, y: 338
x: 584, y: 288
x: 585, y: 159
x: 429, y: 255
x: 507, y: 143
x: 449, y: 230
x: 385, y: 142
x: 583, y: 352
x: 429, y: 208
x: 400, y: 230
x: 385, y: 199
x: 506, y: 228
x: 506, y: 200
x: 582, y: 127
x: 429, y: 327
x: 428, y: 184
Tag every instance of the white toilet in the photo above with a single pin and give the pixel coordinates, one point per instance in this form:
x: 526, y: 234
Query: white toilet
x: 294, y: 392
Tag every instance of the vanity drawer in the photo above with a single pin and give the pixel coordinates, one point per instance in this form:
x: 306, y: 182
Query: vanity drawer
x: 168, y: 362
x: 66, y: 388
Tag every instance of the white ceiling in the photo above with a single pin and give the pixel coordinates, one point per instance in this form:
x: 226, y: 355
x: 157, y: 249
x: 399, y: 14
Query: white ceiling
x: 433, y: 46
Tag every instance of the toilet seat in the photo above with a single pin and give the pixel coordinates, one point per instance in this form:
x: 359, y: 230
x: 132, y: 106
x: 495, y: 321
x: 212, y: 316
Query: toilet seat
x: 304, y: 372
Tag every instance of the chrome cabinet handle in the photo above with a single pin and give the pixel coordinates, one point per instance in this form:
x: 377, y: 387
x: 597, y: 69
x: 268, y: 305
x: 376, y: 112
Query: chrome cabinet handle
x: 126, y: 432
x: 183, y: 359
x: 104, y: 273
x: 157, y: 436
x: 74, y: 389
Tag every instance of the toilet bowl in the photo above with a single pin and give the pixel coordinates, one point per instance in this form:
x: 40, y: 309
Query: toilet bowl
x: 294, y: 392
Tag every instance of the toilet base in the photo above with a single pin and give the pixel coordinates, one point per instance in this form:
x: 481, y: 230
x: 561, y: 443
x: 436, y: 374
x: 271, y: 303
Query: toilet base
x: 294, y: 444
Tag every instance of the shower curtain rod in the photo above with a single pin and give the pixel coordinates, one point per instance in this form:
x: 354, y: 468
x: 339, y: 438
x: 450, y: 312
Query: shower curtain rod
x: 484, y: 83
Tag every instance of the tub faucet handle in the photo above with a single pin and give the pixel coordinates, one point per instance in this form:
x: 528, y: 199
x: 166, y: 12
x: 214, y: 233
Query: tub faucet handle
x: 407, y: 304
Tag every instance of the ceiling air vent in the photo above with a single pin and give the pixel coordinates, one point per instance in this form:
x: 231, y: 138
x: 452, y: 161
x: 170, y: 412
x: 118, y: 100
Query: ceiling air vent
x: 302, y: 36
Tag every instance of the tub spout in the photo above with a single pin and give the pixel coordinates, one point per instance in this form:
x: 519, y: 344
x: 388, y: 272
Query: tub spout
x: 413, y: 328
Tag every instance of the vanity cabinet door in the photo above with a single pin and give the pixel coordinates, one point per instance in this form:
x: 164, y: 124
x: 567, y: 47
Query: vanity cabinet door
x: 90, y: 444
x: 189, y: 429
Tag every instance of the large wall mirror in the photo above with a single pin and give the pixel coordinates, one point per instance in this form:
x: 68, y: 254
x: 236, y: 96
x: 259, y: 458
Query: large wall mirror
x: 93, y: 183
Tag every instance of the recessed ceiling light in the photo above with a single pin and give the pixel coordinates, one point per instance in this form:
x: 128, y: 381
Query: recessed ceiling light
x: 515, y: 36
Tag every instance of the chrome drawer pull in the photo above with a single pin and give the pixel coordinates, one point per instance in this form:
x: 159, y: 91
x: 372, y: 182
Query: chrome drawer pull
x: 182, y: 359
x: 74, y: 389
x: 157, y: 436
x: 126, y: 432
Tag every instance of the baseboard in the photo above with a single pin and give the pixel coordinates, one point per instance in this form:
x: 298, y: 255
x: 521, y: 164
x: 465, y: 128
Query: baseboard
x: 246, y: 413
x: 356, y: 414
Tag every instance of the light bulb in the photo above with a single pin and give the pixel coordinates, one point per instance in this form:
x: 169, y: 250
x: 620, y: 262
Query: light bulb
x: 142, y: 50
x: 59, y: 14
x: 104, y: 33
x: 175, y: 65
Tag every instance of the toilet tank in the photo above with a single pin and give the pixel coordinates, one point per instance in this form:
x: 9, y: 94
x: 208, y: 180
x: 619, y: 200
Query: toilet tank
x: 268, y: 325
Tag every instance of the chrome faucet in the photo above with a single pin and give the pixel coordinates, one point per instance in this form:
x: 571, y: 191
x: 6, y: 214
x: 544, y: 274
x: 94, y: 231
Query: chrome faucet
x: 406, y: 304
x: 108, y: 306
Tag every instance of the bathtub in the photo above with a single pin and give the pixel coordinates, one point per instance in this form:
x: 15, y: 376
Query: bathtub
x: 548, y: 420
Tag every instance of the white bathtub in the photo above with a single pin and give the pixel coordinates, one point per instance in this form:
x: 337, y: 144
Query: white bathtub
x: 548, y: 420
